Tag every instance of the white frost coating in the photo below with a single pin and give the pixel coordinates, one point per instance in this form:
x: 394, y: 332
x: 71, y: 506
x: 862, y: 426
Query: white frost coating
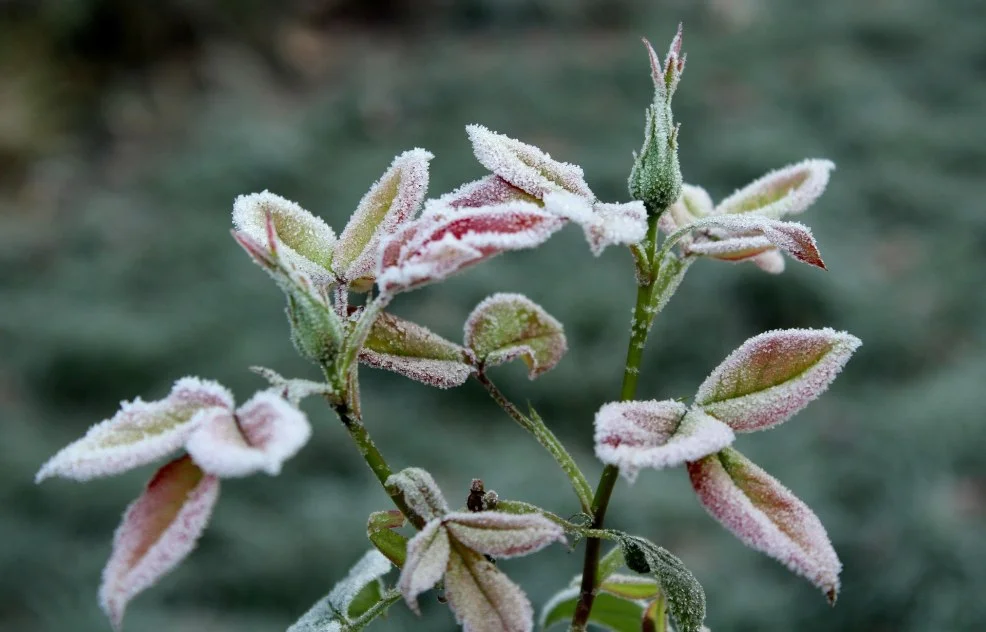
x: 427, y: 558
x: 785, y: 191
x: 487, y: 191
x: 306, y: 241
x: 732, y: 248
x: 791, y: 237
x: 772, y: 376
x: 604, y: 224
x: 525, y: 166
x: 766, y: 516
x: 265, y: 432
x: 437, y: 373
x: 158, y: 531
x: 323, y: 616
x: 484, y: 599
x: 771, y: 261
x: 421, y: 492
x: 501, y: 534
x: 140, y: 433
x: 655, y: 434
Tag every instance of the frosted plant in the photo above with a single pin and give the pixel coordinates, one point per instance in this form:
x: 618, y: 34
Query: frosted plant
x: 399, y: 240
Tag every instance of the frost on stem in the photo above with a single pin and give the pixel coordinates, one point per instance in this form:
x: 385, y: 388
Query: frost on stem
x: 415, y: 352
x: 508, y: 326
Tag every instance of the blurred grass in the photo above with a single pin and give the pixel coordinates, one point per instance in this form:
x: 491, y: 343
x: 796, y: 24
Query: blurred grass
x: 117, y: 276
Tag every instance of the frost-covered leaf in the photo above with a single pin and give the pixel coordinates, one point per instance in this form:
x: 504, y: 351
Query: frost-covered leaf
x: 158, y: 531
x: 766, y: 516
x: 436, y: 246
x: 391, y: 201
x: 428, y: 555
x: 604, y: 224
x: 655, y: 434
x: 334, y: 608
x: 415, y: 352
x: 631, y: 587
x: 483, y: 598
x: 265, y: 432
x: 501, y: 534
x: 608, y: 611
x: 140, y: 433
x: 380, y: 530
x: 420, y: 492
x: 306, y: 242
x: 782, y: 192
x: 686, y: 599
x: 294, y: 390
x: 508, y: 326
x: 525, y: 166
x: 772, y: 376
x: 770, y: 261
x: 487, y: 191
x: 667, y: 74
x: 748, y: 236
x: 693, y: 205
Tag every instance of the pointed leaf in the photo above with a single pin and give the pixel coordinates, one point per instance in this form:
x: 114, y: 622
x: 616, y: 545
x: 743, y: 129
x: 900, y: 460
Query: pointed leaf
x: 487, y: 191
x: 686, y: 599
x: 766, y: 516
x: 140, y: 433
x: 427, y: 558
x: 748, y: 236
x: 508, y: 326
x: 380, y: 530
x: 158, y: 531
x: 391, y: 201
x: 525, y: 166
x: 415, y: 352
x: 608, y: 611
x: 501, y: 534
x: 420, y: 492
x: 334, y: 608
x: 483, y: 598
x: 782, y: 192
x: 772, y: 376
x: 604, y: 224
x: 306, y: 242
x: 265, y: 432
x: 635, y: 435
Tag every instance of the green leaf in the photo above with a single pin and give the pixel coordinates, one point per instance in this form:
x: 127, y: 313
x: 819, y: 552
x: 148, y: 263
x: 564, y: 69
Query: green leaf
x: 508, y: 326
x: 686, y: 599
x: 353, y: 596
x: 379, y: 529
x: 608, y: 611
x: 631, y: 587
x: 415, y: 352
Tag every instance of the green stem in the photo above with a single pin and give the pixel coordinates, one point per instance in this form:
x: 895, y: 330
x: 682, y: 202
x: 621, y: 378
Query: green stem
x: 535, y: 425
x: 520, y: 507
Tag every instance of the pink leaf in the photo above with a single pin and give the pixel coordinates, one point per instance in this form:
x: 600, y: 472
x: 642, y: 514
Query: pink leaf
x: 415, y: 352
x: 604, y: 224
x: 766, y: 516
x: 525, y: 166
x: 772, y: 376
x: 483, y: 598
x: 508, y: 326
x: 390, y: 202
x: 158, y: 531
x: 265, y: 432
x: 488, y: 191
x: 752, y: 235
x: 501, y: 534
x: 427, y: 558
x: 782, y: 192
x: 140, y: 433
x: 655, y: 434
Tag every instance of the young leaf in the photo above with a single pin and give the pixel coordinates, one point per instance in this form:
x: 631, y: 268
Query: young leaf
x: 380, y: 530
x: 782, y: 192
x: 686, y: 599
x: 772, y: 376
x: 631, y: 587
x: 428, y: 555
x: 748, y: 236
x: 488, y: 191
x: 420, y: 492
x: 693, y: 205
x: 415, y: 352
x: 484, y: 599
x: 391, y: 201
x: 265, y: 432
x: 501, y: 534
x: 766, y: 516
x: 140, y: 433
x: 608, y: 611
x: 508, y: 326
x: 436, y: 246
x: 306, y: 242
x: 334, y: 608
x: 158, y: 531
x: 635, y: 435
x: 525, y: 166
x: 604, y: 224
x: 294, y: 389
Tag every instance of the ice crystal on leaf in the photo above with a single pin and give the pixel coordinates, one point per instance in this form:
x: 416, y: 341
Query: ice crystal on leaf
x: 508, y: 326
x: 483, y: 598
x: 488, y: 191
x: 332, y: 612
x: 502, y: 534
x: 604, y: 224
x: 772, y: 376
x: 789, y: 190
x: 748, y: 236
x: 415, y: 352
x: 420, y: 492
x: 766, y: 516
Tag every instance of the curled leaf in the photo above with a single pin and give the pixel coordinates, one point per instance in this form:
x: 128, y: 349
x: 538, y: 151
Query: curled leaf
x: 507, y: 326
x: 420, y: 492
x: 488, y: 191
x: 748, y: 236
x: 501, y: 534
x: 428, y: 555
x: 483, y: 598
x: 785, y: 191
x: 415, y: 352
x: 772, y: 376
x: 335, y: 608
x: 766, y: 516
x: 604, y: 224
x: 140, y: 433
x: 158, y: 531
x: 655, y: 434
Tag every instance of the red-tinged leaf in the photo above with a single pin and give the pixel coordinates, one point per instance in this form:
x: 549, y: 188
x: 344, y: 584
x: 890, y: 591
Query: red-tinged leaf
x: 502, y: 534
x: 782, y: 192
x: 667, y: 74
x: 433, y: 248
x: 772, y: 376
x: 508, y: 326
x: 158, y: 531
x: 140, y: 433
x: 525, y: 166
x: 766, y: 516
x: 428, y: 555
x: 488, y: 191
x: 750, y: 235
x: 655, y: 434
x: 420, y: 491
x: 771, y: 261
x: 604, y: 224
x: 303, y: 241
x: 265, y: 432
x: 415, y: 352
x: 483, y: 598
x: 390, y: 202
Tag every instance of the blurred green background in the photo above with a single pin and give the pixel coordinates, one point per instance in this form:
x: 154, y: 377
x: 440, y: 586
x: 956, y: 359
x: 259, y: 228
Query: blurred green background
x: 127, y: 128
